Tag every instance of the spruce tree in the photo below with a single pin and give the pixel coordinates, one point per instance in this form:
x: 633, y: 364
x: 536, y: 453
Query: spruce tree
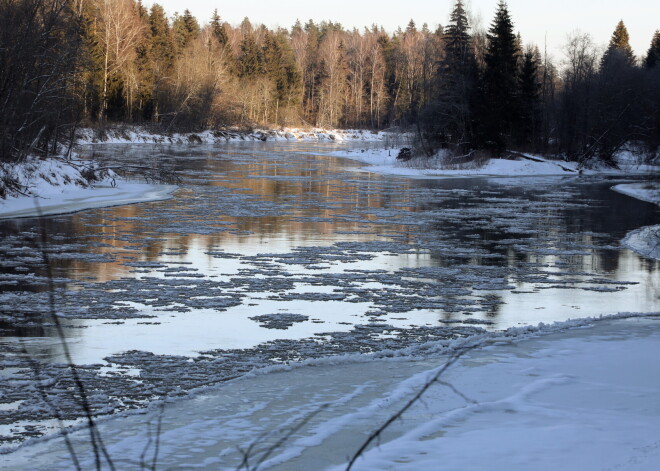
x: 653, y: 54
x: 185, y: 28
x: 161, y: 56
x: 457, y: 36
x: 249, y: 60
x: 619, y: 47
x: 457, y: 82
x: 500, y: 110
x: 279, y: 66
x: 412, y: 27
x: 218, y: 29
x: 530, y: 87
x: 160, y: 47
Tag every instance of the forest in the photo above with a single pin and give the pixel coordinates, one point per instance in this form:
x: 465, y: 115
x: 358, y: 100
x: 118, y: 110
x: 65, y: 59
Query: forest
x: 94, y: 63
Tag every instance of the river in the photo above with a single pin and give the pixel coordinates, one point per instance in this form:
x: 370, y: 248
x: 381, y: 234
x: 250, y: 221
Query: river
x: 276, y: 252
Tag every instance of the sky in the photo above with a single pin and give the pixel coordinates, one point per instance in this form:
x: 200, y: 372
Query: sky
x: 546, y: 22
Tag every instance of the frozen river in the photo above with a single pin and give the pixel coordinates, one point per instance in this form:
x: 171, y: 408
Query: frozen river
x: 275, y: 252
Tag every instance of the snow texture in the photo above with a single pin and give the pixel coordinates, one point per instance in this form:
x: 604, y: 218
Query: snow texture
x: 645, y: 241
x: 138, y: 135
x: 648, y: 191
x: 574, y: 395
x: 54, y: 186
x: 383, y: 160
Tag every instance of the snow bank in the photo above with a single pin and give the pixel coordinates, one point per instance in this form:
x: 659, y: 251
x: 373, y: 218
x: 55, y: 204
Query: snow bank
x: 137, y: 135
x: 648, y: 191
x: 574, y: 395
x: 53, y: 186
x: 383, y: 160
x: 644, y: 241
x: 581, y: 400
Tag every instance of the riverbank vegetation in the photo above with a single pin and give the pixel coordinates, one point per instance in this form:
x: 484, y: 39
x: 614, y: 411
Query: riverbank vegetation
x: 467, y: 90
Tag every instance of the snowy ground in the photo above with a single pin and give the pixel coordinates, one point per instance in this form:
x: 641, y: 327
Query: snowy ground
x: 135, y: 134
x: 383, y: 160
x: 648, y: 191
x: 577, y: 395
x: 645, y: 241
x: 53, y: 186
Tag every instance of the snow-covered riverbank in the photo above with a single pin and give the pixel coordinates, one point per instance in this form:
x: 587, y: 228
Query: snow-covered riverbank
x: 181, y: 313
x: 52, y: 186
x: 645, y: 241
x: 647, y: 191
x: 579, y: 394
x: 134, y: 134
x: 383, y: 161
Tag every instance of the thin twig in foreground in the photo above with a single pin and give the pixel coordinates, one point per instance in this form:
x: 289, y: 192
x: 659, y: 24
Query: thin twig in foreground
x: 97, y: 443
x: 378, y: 432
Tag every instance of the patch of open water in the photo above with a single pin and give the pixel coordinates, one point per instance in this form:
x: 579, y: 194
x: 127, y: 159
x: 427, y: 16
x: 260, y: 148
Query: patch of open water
x: 162, y: 297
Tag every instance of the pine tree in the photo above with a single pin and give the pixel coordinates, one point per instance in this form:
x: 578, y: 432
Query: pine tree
x: 249, y: 60
x: 161, y: 46
x: 530, y: 87
x: 500, y: 82
x: 161, y: 55
x: 458, y: 82
x: 218, y: 29
x: 412, y: 27
x: 143, y: 13
x: 279, y: 66
x: 619, y: 47
x: 653, y: 54
x: 297, y: 27
x: 185, y: 29
x: 457, y: 36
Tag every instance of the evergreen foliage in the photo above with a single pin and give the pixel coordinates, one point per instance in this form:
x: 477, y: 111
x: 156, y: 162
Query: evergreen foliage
x: 527, y: 131
x: 185, y: 29
x: 619, y: 47
x: 453, y: 113
x: 500, y: 102
x: 249, y: 60
x: 460, y: 90
x: 653, y: 54
x: 218, y: 29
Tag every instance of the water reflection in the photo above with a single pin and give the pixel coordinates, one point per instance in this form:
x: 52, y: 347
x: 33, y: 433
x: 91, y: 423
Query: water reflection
x: 504, y: 251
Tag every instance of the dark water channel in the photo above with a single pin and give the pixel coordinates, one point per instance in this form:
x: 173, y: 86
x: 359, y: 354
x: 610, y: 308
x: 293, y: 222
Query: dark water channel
x: 274, y: 252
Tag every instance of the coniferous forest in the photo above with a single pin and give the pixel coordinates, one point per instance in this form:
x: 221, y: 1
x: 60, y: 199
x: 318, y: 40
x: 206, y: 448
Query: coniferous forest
x: 71, y: 63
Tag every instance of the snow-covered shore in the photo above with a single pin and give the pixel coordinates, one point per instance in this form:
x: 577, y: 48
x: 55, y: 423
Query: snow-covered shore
x: 134, y: 134
x: 383, y: 161
x: 53, y: 186
x: 647, y: 191
x: 72, y: 199
x: 575, y: 395
x: 644, y: 241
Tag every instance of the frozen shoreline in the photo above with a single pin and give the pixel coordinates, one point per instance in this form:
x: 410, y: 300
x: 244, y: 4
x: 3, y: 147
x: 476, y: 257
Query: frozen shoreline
x: 384, y: 161
x: 75, y: 199
x: 552, y: 391
x: 134, y: 134
x: 649, y: 191
x: 56, y: 186
x: 644, y: 241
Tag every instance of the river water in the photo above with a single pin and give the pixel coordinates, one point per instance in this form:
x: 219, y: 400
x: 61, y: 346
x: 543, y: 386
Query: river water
x: 276, y: 252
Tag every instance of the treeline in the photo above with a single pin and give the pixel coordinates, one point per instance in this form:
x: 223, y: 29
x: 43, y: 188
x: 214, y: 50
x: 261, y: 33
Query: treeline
x: 65, y: 62
x: 496, y: 94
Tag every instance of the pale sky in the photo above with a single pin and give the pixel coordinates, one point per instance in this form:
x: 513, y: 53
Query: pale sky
x: 535, y: 20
